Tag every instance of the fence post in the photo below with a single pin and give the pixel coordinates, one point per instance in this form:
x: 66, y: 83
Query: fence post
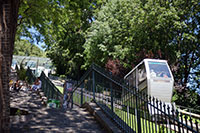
x: 138, y: 113
x: 111, y: 91
x: 81, y: 96
x: 52, y: 92
x: 93, y: 84
x: 45, y: 87
x: 57, y: 94
x: 48, y: 90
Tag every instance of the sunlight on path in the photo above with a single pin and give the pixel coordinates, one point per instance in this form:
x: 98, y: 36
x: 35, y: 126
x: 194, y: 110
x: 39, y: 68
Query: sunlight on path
x: 43, y: 119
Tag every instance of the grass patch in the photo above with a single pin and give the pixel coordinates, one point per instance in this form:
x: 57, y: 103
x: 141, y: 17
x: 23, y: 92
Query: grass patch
x: 193, y: 119
x: 146, y: 125
x: 131, y: 120
x: 60, y: 89
x: 77, y: 98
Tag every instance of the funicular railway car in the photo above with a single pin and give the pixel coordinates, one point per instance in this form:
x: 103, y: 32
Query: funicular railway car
x: 152, y: 77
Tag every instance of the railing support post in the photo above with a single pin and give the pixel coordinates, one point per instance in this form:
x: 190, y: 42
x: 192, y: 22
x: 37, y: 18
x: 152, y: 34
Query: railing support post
x: 93, y: 84
x: 111, y: 91
x: 81, y: 96
x: 138, y: 113
x: 52, y: 93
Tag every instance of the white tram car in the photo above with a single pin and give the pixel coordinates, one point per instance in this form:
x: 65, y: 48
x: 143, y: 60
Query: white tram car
x: 153, y: 77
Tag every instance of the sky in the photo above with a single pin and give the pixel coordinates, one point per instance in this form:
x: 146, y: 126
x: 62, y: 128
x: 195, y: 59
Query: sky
x: 34, y: 33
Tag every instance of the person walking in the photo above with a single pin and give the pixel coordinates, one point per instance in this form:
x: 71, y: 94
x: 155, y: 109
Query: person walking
x: 68, y: 94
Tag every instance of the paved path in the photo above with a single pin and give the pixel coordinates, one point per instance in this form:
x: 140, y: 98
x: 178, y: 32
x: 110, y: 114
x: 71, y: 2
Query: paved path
x: 44, y: 120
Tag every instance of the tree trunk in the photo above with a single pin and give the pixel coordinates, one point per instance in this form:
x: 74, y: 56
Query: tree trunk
x: 8, y: 23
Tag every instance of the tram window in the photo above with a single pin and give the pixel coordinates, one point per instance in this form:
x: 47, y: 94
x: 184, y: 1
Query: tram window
x: 159, y: 69
x: 141, y: 73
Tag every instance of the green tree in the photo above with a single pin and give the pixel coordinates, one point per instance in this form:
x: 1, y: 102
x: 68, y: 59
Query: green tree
x: 60, y: 25
x: 131, y: 30
x: 25, y: 48
x: 69, y: 45
x: 187, y: 70
x: 67, y: 55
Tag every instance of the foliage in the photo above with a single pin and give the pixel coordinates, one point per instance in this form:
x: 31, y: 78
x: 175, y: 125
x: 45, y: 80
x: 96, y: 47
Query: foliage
x: 131, y: 30
x: 68, y: 47
x: 117, y: 34
x: 67, y: 55
x: 60, y: 25
x: 116, y: 68
x: 18, y: 112
x: 24, y: 48
x: 188, y: 45
x: 187, y: 98
x: 21, y: 73
x: 52, y: 19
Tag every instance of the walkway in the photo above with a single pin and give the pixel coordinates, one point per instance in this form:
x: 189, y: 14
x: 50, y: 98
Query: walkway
x: 43, y: 119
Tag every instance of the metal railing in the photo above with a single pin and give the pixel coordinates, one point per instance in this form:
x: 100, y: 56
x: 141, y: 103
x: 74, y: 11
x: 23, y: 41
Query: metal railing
x: 132, y: 111
x: 31, y: 77
x: 49, y: 89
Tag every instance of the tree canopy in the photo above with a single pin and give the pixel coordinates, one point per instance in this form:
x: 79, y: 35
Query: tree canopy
x: 25, y: 48
x: 117, y: 33
x: 125, y: 32
x: 60, y: 25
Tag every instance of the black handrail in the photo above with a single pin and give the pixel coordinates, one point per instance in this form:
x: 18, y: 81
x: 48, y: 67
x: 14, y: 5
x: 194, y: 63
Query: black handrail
x: 142, y: 109
x: 50, y: 90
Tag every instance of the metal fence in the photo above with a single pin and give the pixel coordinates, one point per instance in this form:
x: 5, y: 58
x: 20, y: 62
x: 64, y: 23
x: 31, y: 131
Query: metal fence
x: 130, y: 110
x: 30, y: 75
x: 49, y: 89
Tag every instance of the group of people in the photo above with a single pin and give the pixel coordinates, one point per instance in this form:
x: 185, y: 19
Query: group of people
x: 68, y: 90
x: 158, y: 74
x: 17, y: 85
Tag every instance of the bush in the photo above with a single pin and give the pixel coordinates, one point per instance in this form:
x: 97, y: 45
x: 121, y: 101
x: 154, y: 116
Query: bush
x: 62, y: 76
x: 187, y: 98
x: 21, y: 73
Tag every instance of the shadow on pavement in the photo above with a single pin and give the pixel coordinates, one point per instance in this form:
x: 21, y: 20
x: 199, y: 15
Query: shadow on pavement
x: 42, y: 119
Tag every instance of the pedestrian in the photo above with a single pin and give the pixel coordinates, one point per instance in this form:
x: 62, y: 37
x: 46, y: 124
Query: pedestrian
x: 68, y: 94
